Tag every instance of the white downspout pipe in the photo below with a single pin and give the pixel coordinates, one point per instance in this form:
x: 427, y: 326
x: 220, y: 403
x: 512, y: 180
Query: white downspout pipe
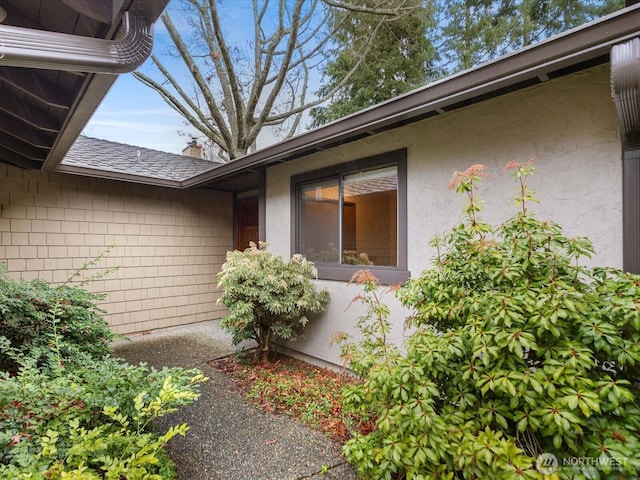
x: 25, y: 47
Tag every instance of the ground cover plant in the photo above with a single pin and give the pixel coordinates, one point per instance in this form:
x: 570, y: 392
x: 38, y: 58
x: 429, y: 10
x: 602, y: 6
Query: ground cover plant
x: 292, y: 387
x: 523, y: 364
x: 267, y: 296
x: 91, y: 423
x: 68, y: 409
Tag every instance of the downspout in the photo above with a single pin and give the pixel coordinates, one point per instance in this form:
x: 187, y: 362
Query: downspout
x: 625, y: 87
x: 25, y: 47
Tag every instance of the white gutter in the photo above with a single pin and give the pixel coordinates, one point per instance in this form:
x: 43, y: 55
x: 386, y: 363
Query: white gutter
x: 25, y: 47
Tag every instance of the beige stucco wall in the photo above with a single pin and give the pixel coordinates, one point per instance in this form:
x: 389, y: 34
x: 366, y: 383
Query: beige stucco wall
x: 169, y: 244
x: 568, y: 125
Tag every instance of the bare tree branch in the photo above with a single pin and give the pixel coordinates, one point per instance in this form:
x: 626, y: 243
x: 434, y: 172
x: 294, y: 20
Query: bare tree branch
x: 284, y: 68
x: 264, y: 81
x: 179, y: 107
x: 378, y: 9
x: 278, y: 118
x: 234, y: 101
x: 200, y: 81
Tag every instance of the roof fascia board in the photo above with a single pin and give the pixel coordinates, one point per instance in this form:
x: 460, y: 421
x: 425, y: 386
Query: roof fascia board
x: 580, y: 44
x: 123, y: 177
x: 94, y: 89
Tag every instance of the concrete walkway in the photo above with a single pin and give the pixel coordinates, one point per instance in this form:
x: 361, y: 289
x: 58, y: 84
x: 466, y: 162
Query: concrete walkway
x: 229, y: 439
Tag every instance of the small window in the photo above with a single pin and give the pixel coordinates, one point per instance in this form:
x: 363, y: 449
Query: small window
x: 353, y: 217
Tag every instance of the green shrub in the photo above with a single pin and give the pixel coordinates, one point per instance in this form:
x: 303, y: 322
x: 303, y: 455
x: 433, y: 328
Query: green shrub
x: 93, y: 422
x: 267, y: 296
x: 523, y: 363
x: 30, y: 312
x: 67, y: 408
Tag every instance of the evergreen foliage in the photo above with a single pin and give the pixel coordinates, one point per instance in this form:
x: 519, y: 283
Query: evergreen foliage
x: 68, y: 410
x: 475, y: 31
x: 399, y: 57
x: 267, y: 296
x: 431, y: 39
x: 93, y: 421
x: 520, y: 356
x: 32, y: 313
x: 230, y: 86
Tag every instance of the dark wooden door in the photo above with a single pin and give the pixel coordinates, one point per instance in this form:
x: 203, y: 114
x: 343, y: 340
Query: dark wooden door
x: 247, y: 229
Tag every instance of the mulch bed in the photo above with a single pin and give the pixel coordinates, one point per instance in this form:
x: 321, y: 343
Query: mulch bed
x: 289, y: 386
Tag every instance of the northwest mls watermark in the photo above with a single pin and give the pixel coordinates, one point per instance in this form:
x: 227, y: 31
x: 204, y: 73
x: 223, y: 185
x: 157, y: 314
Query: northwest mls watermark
x: 548, y: 463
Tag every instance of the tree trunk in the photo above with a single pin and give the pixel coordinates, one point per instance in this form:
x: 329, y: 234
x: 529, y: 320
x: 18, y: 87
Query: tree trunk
x: 262, y: 353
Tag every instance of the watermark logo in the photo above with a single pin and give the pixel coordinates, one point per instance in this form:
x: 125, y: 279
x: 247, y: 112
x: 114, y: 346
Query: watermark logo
x: 547, y: 463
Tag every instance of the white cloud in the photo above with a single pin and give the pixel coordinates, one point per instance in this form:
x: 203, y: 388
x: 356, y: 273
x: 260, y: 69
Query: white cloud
x: 137, y: 112
x: 134, y: 125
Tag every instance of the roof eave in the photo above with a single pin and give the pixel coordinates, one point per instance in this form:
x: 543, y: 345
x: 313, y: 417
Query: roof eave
x: 119, y: 176
x: 95, y: 88
x: 576, y: 46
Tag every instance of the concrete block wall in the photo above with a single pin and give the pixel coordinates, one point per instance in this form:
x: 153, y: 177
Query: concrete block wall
x: 169, y: 245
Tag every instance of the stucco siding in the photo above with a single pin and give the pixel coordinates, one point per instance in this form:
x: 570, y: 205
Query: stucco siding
x: 568, y: 125
x: 168, y: 244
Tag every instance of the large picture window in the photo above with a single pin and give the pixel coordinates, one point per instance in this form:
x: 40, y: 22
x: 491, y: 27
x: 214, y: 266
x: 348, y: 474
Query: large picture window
x: 353, y: 216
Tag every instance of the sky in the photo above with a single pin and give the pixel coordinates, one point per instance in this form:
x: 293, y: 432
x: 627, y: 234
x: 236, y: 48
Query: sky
x: 135, y: 114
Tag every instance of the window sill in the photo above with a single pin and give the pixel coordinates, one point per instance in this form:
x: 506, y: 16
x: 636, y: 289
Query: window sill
x: 344, y: 273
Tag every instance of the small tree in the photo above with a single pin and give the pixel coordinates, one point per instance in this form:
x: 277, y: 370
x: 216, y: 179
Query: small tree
x: 267, y: 296
x: 523, y: 364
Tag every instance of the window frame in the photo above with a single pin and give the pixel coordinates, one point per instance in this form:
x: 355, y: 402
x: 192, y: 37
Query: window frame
x: 387, y: 275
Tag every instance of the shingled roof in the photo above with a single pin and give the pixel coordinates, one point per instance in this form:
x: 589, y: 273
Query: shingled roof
x: 136, y: 163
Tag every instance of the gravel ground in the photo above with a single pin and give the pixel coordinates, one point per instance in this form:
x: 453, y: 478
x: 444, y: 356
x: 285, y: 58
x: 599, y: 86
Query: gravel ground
x: 229, y: 439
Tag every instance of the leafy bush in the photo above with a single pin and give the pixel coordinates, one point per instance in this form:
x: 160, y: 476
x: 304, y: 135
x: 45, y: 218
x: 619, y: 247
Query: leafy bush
x: 67, y: 408
x: 92, y: 422
x: 30, y: 313
x: 267, y: 296
x: 523, y: 364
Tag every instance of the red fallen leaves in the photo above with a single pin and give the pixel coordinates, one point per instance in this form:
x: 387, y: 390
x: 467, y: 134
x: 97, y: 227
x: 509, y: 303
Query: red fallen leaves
x: 17, y: 438
x: 296, y: 388
x: 27, y: 418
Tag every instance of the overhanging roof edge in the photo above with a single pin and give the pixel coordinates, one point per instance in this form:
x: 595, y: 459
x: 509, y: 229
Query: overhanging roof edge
x: 123, y: 177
